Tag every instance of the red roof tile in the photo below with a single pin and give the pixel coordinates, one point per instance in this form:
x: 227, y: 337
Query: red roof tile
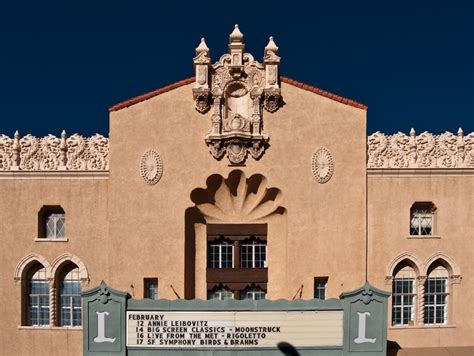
x: 286, y: 80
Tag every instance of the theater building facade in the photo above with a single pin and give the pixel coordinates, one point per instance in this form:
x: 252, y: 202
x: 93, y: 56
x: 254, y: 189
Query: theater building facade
x: 243, y: 184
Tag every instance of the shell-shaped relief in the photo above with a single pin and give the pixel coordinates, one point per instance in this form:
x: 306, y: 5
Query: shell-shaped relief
x: 322, y: 165
x: 151, y: 167
x: 237, y: 198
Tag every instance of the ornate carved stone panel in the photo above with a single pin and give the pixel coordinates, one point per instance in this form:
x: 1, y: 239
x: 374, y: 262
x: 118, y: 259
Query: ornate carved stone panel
x: 151, y: 167
x: 322, y: 165
x: 420, y: 151
x: 235, y: 90
x: 51, y: 153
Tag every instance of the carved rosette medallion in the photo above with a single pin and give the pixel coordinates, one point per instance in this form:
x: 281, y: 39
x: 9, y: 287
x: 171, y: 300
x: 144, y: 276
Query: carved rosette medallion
x: 236, y: 90
x: 322, y: 165
x: 151, y: 167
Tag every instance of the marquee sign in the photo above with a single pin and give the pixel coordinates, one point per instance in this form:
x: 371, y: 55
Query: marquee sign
x: 114, y: 324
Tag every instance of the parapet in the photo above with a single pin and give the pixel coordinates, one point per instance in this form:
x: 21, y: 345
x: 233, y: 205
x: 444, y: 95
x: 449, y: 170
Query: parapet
x: 426, y: 150
x: 51, y: 153
x: 79, y: 153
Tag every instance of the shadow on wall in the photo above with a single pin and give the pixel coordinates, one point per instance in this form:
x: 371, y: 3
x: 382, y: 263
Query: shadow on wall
x: 392, y: 348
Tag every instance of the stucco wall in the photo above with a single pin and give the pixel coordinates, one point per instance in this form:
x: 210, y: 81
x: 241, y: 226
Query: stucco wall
x: 390, y: 198
x: 85, y: 204
x: 147, y: 222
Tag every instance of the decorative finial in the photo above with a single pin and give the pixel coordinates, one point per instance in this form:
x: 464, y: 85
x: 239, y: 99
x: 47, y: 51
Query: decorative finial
x: 460, y: 132
x: 412, y: 132
x: 63, y: 133
x: 202, y: 47
x: 271, y: 46
x: 236, y: 35
x: 16, y: 151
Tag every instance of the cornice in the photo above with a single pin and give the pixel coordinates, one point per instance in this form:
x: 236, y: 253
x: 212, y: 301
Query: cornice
x: 54, y: 175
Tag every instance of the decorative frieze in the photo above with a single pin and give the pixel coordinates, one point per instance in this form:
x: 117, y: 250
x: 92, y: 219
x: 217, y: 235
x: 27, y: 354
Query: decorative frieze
x: 51, y: 153
x: 420, y: 151
x: 235, y: 90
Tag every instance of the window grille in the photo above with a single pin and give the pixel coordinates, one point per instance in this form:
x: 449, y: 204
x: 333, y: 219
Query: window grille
x: 422, y: 219
x: 56, y: 225
x: 436, y: 300
x: 403, y: 301
x: 38, y: 299
x: 253, y: 255
x: 70, y: 299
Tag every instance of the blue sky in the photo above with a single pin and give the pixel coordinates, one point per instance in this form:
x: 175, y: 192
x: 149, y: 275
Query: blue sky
x: 63, y: 64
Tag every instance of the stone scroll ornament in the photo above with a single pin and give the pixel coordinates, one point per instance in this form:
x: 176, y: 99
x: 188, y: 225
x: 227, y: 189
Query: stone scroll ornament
x: 322, y: 165
x: 151, y: 167
x: 235, y: 90
x: 420, y: 151
x: 51, y: 153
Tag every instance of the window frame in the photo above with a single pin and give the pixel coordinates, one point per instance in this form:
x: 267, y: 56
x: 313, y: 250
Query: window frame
x: 402, y: 306
x: 29, y: 295
x: 436, y: 305
x: 44, y: 216
x: 236, y: 278
x: 318, y: 281
x: 147, y: 291
x: 420, y: 211
x: 61, y: 278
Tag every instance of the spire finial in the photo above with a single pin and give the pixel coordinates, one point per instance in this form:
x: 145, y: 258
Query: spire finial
x: 202, y: 47
x: 236, y: 35
x: 460, y: 132
x: 412, y: 132
x: 271, y: 46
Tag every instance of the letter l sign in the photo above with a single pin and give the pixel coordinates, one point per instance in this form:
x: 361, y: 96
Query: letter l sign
x: 361, y: 338
x: 101, y: 329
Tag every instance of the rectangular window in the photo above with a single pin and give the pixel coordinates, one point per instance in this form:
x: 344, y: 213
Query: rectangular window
x: 150, y: 288
x: 253, y: 255
x: 70, y: 303
x: 436, y: 301
x: 38, y: 303
x: 422, y: 219
x: 221, y: 255
x: 403, y: 301
x: 320, y: 284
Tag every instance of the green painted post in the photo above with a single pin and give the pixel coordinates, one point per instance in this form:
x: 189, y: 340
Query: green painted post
x: 365, y: 321
x: 104, y: 311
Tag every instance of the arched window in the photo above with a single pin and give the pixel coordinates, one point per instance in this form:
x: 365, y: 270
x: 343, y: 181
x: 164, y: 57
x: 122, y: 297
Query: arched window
x: 436, y: 294
x: 69, y: 299
x: 403, y: 294
x: 221, y: 293
x: 37, y: 296
x: 422, y: 219
x: 253, y: 292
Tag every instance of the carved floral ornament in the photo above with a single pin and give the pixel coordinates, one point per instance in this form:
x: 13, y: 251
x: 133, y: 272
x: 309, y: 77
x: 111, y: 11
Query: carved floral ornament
x: 236, y: 89
x: 322, y: 165
x: 151, y: 167
x: 420, y: 151
x: 50, y: 153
